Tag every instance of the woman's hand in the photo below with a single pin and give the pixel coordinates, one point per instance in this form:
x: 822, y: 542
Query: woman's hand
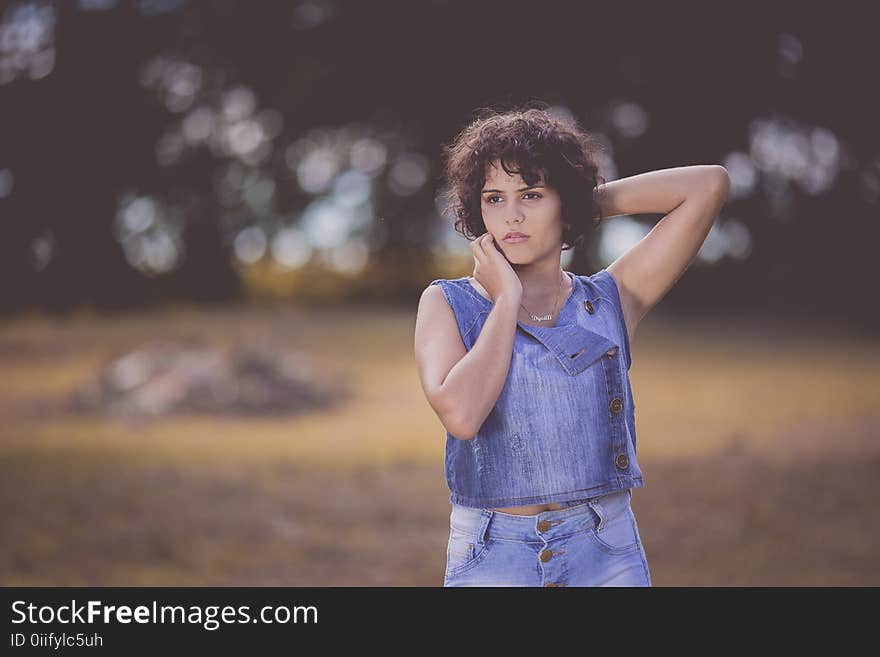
x: 492, y: 270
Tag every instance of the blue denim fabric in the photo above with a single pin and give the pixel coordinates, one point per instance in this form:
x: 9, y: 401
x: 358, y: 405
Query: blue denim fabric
x: 563, y: 427
x: 595, y: 543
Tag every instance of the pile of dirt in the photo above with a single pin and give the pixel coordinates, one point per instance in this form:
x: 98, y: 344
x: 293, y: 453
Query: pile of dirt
x: 163, y: 378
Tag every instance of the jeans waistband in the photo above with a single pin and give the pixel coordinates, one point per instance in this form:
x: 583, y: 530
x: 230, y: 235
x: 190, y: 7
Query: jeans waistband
x: 589, y: 513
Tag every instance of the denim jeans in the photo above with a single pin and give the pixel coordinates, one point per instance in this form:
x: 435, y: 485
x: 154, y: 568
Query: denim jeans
x: 590, y: 542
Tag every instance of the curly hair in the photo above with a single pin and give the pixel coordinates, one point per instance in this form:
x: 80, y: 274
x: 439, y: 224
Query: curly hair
x: 538, y: 143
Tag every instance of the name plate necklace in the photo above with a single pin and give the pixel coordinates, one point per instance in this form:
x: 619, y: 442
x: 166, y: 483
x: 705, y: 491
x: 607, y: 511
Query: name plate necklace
x: 549, y: 316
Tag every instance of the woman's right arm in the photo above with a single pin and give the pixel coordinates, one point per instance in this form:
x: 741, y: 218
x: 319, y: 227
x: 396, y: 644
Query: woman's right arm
x: 462, y: 386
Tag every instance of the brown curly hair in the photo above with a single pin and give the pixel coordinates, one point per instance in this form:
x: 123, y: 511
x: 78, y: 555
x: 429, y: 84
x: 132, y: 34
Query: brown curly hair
x: 538, y: 143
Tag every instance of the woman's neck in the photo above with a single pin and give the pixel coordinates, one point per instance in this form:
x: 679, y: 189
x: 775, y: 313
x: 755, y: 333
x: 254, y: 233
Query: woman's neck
x: 544, y: 284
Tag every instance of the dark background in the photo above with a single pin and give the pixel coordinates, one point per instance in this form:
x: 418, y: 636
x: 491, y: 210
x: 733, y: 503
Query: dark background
x: 78, y: 138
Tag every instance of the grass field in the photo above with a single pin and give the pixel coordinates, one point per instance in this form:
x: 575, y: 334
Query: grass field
x: 758, y: 442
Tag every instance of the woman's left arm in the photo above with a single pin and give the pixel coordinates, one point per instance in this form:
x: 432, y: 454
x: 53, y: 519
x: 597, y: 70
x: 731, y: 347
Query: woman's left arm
x: 691, y: 198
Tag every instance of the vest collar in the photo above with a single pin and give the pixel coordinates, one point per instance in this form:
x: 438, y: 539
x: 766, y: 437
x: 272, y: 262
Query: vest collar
x: 575, y: 346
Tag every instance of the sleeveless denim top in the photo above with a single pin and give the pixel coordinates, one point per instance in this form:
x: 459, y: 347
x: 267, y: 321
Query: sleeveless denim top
x: 563, y: 427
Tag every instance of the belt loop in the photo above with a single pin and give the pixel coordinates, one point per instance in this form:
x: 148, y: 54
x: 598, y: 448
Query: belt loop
x: 597, y: 509
x: 484, y: 524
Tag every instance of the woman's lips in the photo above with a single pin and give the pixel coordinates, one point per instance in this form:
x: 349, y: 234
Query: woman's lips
x: 515, y: 239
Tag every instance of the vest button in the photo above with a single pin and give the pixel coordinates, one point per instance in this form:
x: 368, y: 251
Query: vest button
x: 546, y: 555
x: 616, y: 405
x: 588, y: 306
x: 543, y: 525
x: 610, y: 353
x: 622, y: 461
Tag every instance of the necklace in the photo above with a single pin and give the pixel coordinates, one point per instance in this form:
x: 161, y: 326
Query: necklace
x: 549, y: 316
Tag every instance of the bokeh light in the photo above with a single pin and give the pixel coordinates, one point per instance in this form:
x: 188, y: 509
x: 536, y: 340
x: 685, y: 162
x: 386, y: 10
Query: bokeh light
x: 27, y: 41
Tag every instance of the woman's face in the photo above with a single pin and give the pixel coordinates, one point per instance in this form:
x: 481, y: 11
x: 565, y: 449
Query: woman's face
x: 507, y: 206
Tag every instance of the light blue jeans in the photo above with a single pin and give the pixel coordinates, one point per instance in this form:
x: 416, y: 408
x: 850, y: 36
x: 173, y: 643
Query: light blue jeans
x: 592, y: 542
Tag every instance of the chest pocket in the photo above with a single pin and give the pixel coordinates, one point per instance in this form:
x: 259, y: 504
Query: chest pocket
x: 574, y: 346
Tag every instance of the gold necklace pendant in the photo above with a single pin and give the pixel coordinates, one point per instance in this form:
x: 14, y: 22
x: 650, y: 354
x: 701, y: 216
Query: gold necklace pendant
x: 548, y: 316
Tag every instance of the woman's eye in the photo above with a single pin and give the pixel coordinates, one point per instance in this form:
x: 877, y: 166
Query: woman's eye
x: 489, y: 198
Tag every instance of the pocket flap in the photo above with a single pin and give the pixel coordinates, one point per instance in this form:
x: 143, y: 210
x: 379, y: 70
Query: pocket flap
x: 575, y: 347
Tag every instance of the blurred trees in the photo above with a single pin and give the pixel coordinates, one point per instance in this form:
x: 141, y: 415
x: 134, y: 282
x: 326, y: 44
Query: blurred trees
x: 141, y: 139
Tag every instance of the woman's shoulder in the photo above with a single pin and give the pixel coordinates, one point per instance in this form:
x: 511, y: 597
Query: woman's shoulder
x: 464, y: 288
x: 449, y: 286
x: 602, y: 282
x: 467, y: 304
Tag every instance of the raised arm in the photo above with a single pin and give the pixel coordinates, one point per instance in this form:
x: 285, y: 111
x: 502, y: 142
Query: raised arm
x: 691, y: 197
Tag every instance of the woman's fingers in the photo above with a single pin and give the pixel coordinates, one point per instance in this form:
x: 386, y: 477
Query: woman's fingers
x: 492, y: 245
x: 478, y: 248
x: 486, y: 244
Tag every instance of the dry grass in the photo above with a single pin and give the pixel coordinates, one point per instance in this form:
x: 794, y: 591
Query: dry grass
x: 758, y: 444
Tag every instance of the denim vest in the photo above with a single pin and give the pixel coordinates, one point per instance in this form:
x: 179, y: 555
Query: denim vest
x: 563, y: 427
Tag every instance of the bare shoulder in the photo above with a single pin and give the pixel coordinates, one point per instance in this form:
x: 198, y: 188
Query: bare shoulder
x: 435, y: 316
x: 432, y: 298
x: 438, y: 344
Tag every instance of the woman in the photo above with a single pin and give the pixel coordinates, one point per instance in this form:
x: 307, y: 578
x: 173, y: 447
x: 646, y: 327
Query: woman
x: 527, y: 365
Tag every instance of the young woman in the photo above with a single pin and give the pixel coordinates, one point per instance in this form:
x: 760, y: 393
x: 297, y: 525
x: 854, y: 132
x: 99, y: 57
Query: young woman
x: 527, y: 365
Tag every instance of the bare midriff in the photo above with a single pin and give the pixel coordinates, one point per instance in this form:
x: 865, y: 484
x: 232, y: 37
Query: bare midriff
x: 530, y: 509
